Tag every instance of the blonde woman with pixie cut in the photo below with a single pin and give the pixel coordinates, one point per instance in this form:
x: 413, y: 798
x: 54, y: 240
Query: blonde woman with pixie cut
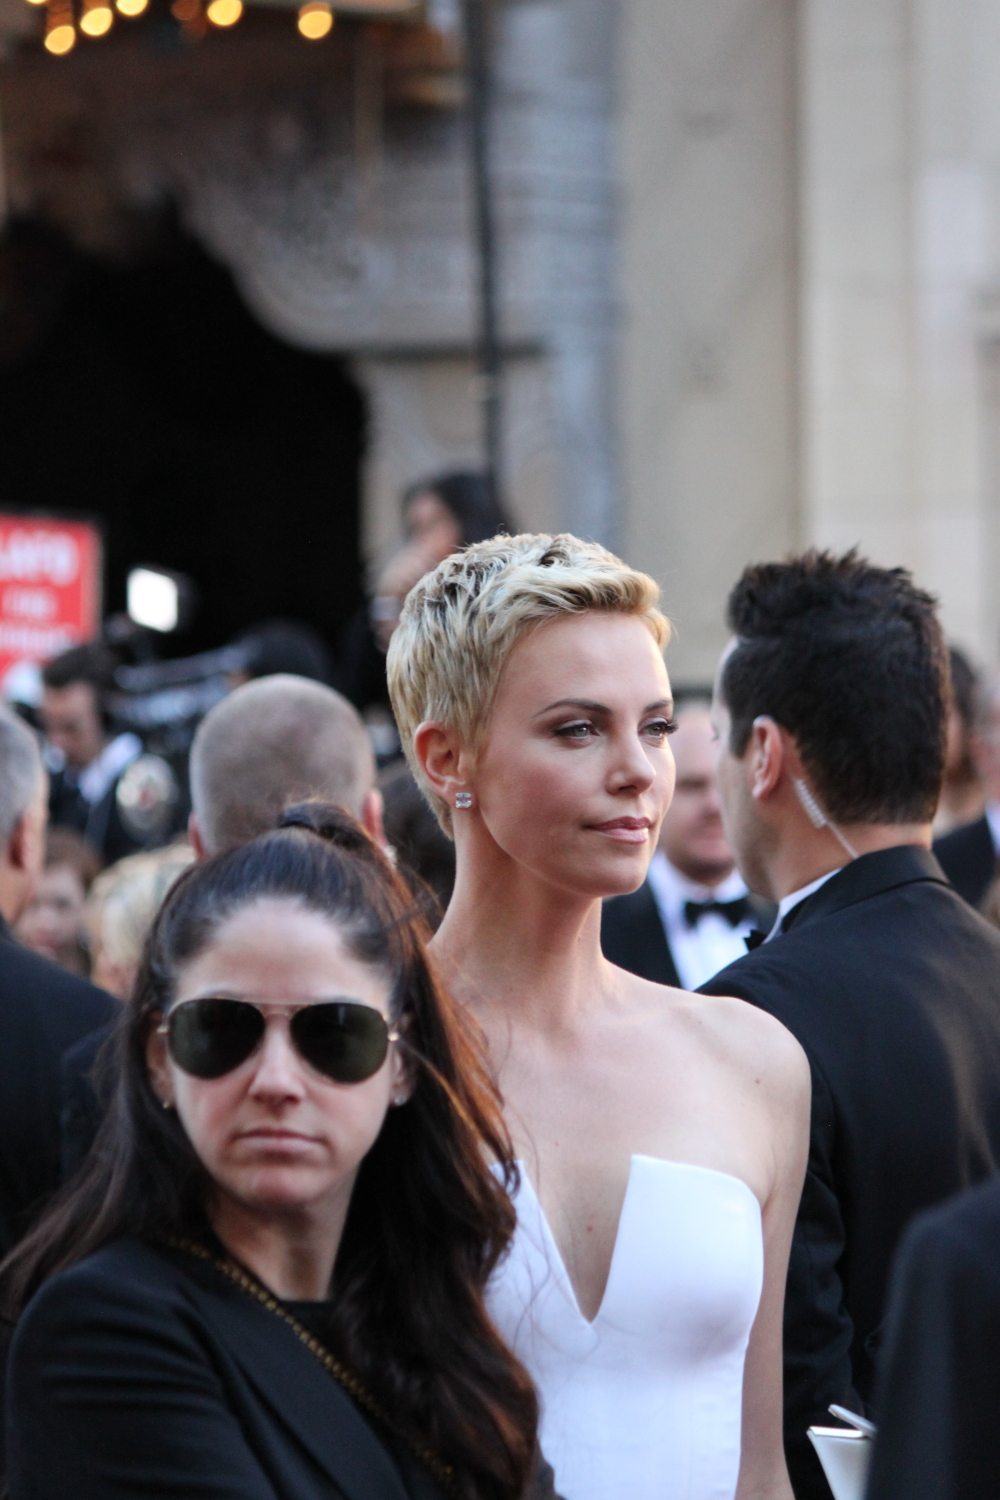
x: 661, y: 1135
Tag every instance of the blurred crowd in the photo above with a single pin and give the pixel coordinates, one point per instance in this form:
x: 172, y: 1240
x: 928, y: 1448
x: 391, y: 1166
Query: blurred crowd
x: 119, y: 805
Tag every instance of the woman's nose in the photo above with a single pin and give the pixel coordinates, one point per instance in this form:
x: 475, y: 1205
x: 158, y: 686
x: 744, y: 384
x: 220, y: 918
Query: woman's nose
x: 278, y: 1073
x: 632, y: 768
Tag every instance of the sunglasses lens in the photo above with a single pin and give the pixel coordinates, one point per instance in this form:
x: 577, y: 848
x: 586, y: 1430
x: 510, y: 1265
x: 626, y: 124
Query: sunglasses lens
x: 346, y: 1041
x: 208, y: 1038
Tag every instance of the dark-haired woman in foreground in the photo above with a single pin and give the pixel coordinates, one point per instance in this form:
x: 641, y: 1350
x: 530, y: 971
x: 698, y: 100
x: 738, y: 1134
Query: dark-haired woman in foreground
x: 267, y: 1283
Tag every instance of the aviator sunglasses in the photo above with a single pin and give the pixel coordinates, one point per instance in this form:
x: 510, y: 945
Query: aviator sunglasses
x: 342, y: 1039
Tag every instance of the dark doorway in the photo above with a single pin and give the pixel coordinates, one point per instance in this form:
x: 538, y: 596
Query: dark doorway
x: 147, y: 395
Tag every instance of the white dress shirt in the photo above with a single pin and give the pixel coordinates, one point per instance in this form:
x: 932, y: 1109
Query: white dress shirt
x: 116, y: 755
x: 786, y: 903
x: 993, y: 819
x: 698, y: 952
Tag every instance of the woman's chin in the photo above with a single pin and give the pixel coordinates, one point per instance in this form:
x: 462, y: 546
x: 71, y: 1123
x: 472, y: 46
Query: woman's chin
x: 598, y: 879
x: 278, y: 1190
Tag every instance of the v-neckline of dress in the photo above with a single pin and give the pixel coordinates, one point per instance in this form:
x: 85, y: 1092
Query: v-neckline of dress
x: 553, y: 1243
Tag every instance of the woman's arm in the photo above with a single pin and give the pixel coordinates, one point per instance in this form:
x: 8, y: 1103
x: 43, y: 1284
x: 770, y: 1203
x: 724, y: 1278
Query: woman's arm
x: 111, y: 1396
x: 782, y: 1071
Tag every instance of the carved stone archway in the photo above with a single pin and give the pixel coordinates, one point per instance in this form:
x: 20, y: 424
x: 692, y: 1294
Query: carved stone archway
x: 334, y: 181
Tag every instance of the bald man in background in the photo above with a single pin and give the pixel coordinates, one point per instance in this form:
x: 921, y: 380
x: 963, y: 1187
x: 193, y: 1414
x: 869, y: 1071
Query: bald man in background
x: 693, y: 914
x: 274, y: 741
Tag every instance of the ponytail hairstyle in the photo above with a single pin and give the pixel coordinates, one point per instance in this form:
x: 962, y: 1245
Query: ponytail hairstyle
x: 428, y: 1218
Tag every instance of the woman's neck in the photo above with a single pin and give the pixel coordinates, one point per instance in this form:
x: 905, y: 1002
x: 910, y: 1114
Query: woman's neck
x: 511, y: 941
x: 291, y: 1252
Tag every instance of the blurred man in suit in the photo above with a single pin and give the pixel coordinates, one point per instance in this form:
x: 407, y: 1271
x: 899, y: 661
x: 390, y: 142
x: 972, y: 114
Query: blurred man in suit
x: 969, y: 855
x: 87, y: 761
x: 693, y: 913
x: 830, y: 707
x: 43, y: 1009
x: 939, y: 1375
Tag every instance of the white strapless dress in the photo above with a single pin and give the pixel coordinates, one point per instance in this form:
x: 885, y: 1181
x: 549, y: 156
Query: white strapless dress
x: 644, y: 1403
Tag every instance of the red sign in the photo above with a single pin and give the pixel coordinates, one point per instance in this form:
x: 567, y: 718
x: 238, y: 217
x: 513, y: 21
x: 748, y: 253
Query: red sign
x: 50, y: 589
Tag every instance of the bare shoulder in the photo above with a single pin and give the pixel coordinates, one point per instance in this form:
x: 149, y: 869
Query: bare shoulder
x: 738, y: 1037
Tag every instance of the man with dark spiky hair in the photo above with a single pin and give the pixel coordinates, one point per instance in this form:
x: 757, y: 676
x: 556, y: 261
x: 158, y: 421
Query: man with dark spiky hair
x: 830, y: 708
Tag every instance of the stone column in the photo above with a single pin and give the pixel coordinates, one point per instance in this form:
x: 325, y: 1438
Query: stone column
x: 708, y: 356
x: 901, y: 271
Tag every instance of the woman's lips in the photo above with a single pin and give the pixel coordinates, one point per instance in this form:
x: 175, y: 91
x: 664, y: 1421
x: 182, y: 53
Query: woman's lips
x: 276, y: 1139
x: 625, y: 830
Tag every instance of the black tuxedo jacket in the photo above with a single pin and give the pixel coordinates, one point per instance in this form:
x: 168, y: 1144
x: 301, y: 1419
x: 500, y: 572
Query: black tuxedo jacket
x: 939, y: 1376
x: 968, y: 858
x: 892, y: 985
x: 633, y: 936
x: 43, y: 1011
x: 146, y: 1372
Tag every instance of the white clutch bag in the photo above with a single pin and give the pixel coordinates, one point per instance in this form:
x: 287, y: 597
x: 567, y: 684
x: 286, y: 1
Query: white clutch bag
x: 844, y: 1453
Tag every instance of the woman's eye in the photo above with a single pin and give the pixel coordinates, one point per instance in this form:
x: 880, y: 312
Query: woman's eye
x: 581, y: 730
x: 660, y: 728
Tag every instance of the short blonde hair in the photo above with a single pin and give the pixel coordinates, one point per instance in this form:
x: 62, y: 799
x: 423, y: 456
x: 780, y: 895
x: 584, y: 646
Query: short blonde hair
x: 123, y: 903
x: 460, y: 623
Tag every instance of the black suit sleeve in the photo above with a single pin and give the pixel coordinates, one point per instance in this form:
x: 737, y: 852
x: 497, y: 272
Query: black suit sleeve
x: 939, y: 1388
x: 817, y: 1329
x: 111, y: 1385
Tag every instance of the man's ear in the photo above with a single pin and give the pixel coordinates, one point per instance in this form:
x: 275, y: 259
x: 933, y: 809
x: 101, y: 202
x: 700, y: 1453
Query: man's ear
x: 371, y: 817
x: 195, y: 836
x: 442, y: 760
x: 17, y: 851
x: 26, y: 846
x: 766, y: 756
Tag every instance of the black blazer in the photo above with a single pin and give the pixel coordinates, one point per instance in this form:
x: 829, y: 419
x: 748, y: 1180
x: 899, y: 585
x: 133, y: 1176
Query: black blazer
x: 43, y: 1011
x: 85, y: 1084
x: 939, y: 1375
x: 892, y: 985
x: 145, y: 1372
x: 968, y: 858
x: 634, y: 938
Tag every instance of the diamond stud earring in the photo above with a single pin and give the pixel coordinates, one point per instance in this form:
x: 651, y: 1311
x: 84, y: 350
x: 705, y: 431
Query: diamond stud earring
x: 463, y: 799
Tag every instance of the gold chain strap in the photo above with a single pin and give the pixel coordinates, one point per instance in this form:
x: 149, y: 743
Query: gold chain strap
x: 343, y: 1376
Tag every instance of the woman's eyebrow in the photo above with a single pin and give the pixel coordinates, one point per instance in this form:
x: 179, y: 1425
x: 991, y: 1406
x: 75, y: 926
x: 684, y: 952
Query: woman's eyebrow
x: 583, y: 703
x: 602, y: 708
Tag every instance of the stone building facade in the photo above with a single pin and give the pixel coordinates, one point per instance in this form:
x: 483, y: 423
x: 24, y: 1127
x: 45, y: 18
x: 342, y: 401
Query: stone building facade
x: 811, y: 283
x: 749, y: 259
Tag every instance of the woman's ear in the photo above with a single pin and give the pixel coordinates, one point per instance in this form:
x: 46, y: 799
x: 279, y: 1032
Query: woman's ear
x: 402, y: 1078
x: 156, y: 1061
x: 442, y: 759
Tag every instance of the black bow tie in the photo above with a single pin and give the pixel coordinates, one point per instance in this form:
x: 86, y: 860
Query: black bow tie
x: 734, y: 912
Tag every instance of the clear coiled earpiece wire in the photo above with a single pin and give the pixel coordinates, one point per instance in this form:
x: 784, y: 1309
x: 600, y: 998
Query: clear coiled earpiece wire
x: 817, y: 816
x: 814, y: 811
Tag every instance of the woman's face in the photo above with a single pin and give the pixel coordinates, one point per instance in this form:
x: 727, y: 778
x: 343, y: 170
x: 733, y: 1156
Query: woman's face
x: 52, y: 922
x: 576, y: 770
x: 431, y: 525
x: 275, y: 1135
